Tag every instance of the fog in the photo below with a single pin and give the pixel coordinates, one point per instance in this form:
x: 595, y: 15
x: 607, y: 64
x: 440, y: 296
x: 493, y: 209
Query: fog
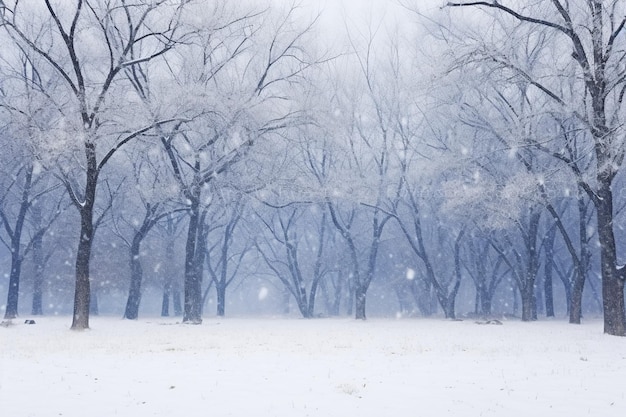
x: 331, y: 158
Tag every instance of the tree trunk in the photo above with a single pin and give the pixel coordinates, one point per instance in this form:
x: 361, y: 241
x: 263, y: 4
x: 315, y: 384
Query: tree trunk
x: 14, y: 286
x: 221, y: 299
x: 82, y: 290
x: 529, y: 302
x: 16, y: 254
x: 580, y: 271
x: 165, y: 303
x: 286, y: 300
x: 336, y: 306
x: 527, y: 286
x: 363, y: 286
x: 38, y: 261
x: 567, y: 284
x: 360, y: 293
x: 169, y: 270
x: 317, y: 276
x: 539, y: 298
x: 303, y: 307
x: 176, y: 299
x: 14, y: 278
x: 332, y: 300
x: 312, y: 295
x: 136, y: 274
x: 548, y: 293
x: 612, y: 284
x: 576, y: 299
x: 94, y: 307
x: 447, y: 305
x: 485, y: 302
x: 193, y: 280
x: 609, y: 156
x: 515, y: 290
x: 548, y: 288
x: 449, y: 309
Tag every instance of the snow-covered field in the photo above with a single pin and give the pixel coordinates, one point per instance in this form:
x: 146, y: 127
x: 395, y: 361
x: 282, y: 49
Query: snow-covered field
x: 324, y: 367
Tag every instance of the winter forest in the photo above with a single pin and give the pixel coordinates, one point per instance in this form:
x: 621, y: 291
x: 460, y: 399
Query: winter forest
x: 314, y: 159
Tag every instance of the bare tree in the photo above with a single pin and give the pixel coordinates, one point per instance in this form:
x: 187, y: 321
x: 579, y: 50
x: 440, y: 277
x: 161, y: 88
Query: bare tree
x: 121, y: 35
x: 294, y: 251
x: 590, y: 36
x: 14, y: 232
x: 226, y: 252
x: 44, y: 212
x: 24, y: 180
x: 242, y: 69
x: 148, y: 197
x: 170, y: 230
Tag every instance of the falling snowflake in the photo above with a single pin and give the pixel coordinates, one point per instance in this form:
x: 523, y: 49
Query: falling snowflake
x: 410, y: 274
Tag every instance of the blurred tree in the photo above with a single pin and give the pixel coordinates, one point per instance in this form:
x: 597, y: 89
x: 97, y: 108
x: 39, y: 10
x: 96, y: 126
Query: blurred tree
x: 111, y: 36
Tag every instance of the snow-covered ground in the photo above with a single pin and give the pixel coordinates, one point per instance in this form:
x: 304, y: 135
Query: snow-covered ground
x: 324, y: 367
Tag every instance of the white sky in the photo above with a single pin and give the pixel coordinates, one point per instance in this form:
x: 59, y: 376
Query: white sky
x: 336, y: 14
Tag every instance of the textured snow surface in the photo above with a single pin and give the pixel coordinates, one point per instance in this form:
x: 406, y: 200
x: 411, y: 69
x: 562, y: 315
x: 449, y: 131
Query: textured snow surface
x: 325, y: 367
